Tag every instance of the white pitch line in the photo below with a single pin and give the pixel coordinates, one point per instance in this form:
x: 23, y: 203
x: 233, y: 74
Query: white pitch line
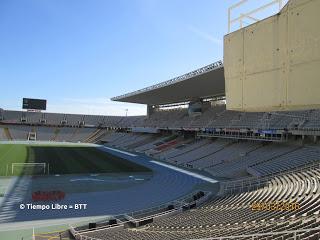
x: 117, y: 150
x: 196, y: 175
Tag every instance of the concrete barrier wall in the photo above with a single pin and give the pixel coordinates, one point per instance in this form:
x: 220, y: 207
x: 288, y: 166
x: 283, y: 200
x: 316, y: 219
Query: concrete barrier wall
x: 274, y: 64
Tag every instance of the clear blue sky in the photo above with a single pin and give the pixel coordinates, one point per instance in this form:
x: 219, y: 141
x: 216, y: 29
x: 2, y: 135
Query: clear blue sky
x: 79, y: 53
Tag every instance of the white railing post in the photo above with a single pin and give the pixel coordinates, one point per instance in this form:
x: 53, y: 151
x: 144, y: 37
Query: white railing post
x: 280, y: 4
x: 229, y: 19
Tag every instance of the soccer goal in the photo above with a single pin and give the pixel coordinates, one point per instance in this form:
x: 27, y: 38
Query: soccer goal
x: 2, y: 191
x: 28, y: 168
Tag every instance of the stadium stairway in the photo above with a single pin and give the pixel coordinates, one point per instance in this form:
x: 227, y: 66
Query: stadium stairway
x: 7, y: 133
x: 55, y: 134
x: 95, y: 136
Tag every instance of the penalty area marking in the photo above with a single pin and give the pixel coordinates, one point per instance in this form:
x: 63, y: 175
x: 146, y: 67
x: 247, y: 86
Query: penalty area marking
x: 196, y: 175
x: 117, y: 150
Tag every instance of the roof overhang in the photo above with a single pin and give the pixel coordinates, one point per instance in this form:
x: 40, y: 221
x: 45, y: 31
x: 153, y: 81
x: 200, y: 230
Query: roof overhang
x: 205, y: 82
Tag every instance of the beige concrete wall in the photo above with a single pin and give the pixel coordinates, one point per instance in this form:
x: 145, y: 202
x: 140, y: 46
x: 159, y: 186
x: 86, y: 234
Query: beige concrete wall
x: 274, y: 64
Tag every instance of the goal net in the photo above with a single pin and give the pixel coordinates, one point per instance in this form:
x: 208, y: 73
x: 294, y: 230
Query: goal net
x: 2, y: 191
x: 28, y: 168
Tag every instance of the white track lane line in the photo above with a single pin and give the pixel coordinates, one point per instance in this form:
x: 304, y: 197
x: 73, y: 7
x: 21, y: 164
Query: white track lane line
x: 116, y: 150
x: 196, y: 175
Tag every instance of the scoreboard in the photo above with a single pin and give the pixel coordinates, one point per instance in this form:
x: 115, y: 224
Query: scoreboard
x: 35, y: 104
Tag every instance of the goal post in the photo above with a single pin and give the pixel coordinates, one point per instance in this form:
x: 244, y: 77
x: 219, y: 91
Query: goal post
x: 29, y: 168
x: 2, y: 191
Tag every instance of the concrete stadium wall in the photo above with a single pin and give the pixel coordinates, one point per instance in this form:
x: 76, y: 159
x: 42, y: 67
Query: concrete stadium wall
x: 274, y: 64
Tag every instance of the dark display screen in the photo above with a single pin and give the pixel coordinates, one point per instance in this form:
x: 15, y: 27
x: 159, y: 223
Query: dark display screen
x: 38, y: 104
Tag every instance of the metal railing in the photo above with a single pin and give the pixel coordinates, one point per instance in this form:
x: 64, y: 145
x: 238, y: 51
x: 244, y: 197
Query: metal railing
x: 147, y: 213
x: 257, y: 182
x: 249, y: 15
x: 294, y: 234
x: 245, y: 136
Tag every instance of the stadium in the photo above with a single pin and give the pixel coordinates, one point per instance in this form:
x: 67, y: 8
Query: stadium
x: 212, y: 159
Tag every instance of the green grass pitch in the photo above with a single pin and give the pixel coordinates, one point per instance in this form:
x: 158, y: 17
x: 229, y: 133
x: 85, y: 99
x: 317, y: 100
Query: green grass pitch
x: 63, y: 159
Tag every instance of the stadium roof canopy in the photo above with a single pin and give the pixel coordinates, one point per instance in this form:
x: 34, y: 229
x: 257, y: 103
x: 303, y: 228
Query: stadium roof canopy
x: 205, y: 82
